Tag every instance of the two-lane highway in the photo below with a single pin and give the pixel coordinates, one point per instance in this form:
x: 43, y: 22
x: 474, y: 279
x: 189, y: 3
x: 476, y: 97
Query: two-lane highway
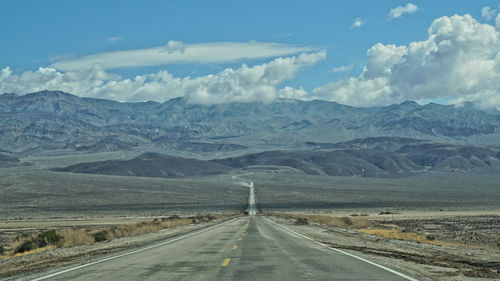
x: 245, y: 248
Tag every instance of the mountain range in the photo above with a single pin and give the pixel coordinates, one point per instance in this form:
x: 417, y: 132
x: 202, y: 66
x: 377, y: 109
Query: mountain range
x: 312, y: 137
x: 58, y: 122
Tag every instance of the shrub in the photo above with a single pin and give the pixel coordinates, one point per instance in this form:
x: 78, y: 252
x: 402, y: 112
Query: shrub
x: 49, y: 237
x: 388, y: 213
x: 101, y: 236
x: 2, y: 250
x: 359, y: 215
x: 301, y: 221
x: 346, y: 221
x: 27, y: 245
x: 174, y: 217
x: 430, y: 237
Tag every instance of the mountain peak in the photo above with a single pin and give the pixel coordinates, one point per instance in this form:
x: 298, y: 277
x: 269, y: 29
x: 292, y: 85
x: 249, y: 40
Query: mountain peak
x: 409, y: 103
x: 8, y: 95
x: 51, y: 93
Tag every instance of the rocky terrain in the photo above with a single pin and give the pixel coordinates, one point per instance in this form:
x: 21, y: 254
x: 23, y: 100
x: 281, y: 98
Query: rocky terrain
x: 480, y: 230
x: 436, y: 245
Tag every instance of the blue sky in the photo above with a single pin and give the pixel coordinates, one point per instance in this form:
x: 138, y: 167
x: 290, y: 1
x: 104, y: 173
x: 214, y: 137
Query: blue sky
x: 44, y: 33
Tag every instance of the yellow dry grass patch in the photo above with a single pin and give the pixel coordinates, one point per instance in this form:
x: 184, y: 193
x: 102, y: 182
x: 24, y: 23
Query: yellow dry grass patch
x: 37, y: 250
x: 73, y: 237
x: 407, y: 236
x: 80, y: 236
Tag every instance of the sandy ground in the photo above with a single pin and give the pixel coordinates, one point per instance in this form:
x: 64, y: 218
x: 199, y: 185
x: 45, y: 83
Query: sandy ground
x: 464, y: 256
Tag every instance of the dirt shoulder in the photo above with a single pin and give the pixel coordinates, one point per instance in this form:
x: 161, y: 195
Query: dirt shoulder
x: 427, y: 245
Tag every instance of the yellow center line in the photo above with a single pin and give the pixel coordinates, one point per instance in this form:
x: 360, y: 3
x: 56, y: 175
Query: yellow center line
x: 235, y: 247
x: 226, y: 262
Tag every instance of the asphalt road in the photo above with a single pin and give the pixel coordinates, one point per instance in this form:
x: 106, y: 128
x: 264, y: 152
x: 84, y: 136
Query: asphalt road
x: 252, y: 208
x: 245, y: 248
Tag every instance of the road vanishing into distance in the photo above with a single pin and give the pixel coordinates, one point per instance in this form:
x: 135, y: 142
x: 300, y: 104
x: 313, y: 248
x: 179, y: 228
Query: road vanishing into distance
x: 244, y: 248
x: 252, y: 207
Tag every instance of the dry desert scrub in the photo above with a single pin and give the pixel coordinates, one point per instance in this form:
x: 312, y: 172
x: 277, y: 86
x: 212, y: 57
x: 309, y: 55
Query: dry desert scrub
x: 359, y: 215
x: 137, y: 228
x: 362, y: 225
x: 67, y: 237
x: 343, y: 222
x: 75, y: 236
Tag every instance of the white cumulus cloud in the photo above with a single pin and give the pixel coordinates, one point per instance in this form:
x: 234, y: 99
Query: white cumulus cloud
x: 358, y: 22
x: 356, y: 91
x: 459, y: 61
x: 399, y: 11
x: 174, y: 47
x: 488, y: 13
x: 293, y: 93
x: 178, y: 52
x: 243, y: 84
x: 247, y: 84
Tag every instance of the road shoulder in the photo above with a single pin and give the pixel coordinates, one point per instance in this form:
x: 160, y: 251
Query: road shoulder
x: 425, y: 262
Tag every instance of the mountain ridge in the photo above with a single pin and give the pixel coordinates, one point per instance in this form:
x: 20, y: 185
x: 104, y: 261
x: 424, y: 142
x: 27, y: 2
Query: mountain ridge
x: 56, y: 121
x: 352, y: 158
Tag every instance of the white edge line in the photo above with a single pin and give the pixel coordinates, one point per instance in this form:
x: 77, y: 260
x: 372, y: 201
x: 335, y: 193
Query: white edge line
x: 346, y: 253
x: 130, y: 253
